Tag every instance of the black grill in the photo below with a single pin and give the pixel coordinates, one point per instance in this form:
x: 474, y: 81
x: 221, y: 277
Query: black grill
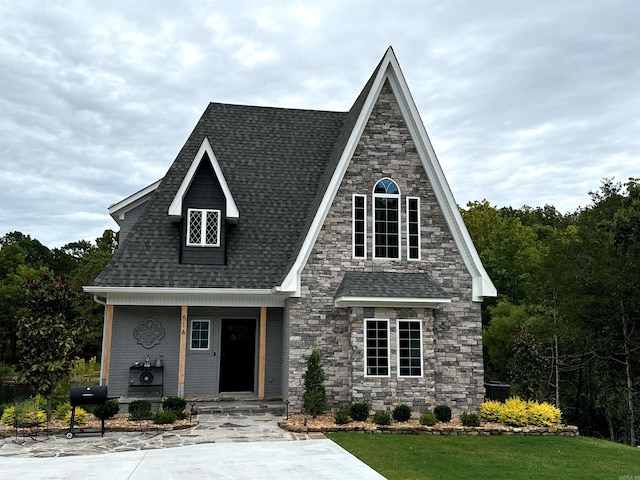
x: 85, y: 396
x: 88, y: 396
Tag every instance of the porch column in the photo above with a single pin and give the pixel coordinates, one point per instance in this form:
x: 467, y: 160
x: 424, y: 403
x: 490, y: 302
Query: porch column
x: 182, y: 361
x: 106, y: 344
x: 262, y: 352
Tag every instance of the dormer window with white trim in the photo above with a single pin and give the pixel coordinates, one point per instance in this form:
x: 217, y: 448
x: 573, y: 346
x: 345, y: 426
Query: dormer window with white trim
x: 386, y: 219
x: 203, y: 228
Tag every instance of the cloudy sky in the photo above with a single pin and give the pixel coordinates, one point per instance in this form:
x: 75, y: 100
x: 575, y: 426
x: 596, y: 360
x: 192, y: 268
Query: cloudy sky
x: 526, y: 102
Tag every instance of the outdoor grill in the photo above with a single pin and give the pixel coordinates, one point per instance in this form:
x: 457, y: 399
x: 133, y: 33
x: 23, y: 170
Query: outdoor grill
x: 85, y: 396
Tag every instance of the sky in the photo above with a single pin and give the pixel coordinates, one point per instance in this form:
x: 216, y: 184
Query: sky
x: 525, y: 102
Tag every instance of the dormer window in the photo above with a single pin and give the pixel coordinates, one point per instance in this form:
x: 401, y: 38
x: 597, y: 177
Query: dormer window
x: 203, y: 228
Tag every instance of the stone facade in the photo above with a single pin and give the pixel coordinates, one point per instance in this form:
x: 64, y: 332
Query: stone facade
x: 452, y: 342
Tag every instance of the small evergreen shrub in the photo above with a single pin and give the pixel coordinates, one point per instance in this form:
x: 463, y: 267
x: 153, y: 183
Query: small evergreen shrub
x: 165, y: 417
x: 517, y: 413
x: 341, y: 417
x: 62, y: 410
x: 401, y: 413
x: 359, y: 411
x: 470, y: 420
x: 106, y: 411
x: 428, y: 418
x: 543, y: 414
x: 443, y: 413
x: 176, y: 405
x: 514, y: 412
x: 314, y: 397
x: 26, y: 413
x: 140, y: 409
x: 382, y: 418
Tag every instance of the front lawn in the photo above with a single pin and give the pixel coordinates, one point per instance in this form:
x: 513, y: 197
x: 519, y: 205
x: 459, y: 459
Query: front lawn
x: 492, y: 457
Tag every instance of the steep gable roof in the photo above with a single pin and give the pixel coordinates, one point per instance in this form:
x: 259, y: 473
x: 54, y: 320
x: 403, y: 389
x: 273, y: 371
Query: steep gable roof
x: 388, y: 70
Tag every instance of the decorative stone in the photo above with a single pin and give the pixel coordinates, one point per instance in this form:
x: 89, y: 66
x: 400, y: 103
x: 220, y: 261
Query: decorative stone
x: 149, y: 332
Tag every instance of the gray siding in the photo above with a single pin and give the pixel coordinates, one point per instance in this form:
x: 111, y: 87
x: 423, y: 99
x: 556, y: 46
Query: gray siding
x: 130, y: 218
x: 204, y: 192
x: 125, y: 350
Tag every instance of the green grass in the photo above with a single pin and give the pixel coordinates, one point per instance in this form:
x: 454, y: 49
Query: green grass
x: 493, y: 457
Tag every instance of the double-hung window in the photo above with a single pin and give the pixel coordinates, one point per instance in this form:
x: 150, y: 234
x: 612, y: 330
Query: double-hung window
x: 409, y: 348
x: 200, y: 334
x: 203, y: 228
x: 376, y: 339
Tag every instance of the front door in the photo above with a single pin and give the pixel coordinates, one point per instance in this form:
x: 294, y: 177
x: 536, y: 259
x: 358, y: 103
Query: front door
x: 237, y: 355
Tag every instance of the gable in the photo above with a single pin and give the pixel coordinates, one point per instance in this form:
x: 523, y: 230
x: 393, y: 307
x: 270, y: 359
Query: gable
x: 389, y: 73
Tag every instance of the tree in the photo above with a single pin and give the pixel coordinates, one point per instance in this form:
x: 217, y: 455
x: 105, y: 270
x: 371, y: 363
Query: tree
x: 314, y: 398
x: 48, y: 335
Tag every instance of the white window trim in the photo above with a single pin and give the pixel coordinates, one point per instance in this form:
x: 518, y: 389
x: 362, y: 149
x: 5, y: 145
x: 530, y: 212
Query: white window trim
x: 398, y: 348
x: 388, y: 347
x: 353, y: 226
x: 203, y: 227
x: 419, y: 232
x: 398, y: 196
x: 201, y: 320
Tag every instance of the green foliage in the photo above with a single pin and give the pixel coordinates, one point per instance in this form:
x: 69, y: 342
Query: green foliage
x: 176, y: 405
x: 314, y: 398
x: 106, y: 411
x: 401, y: 413
x: 80, y: 418
x: 62, y: 410
x: 48, y: 336
x: 428, y: 418
x: 443, y: 413
x: 165, y: 417
x: 341, y: 417
x: 469, y: 419
x: 382, y: 418
x: 27, y: 412
x: 359, y: 411
x: 490, y: 411
x: 528, y: 367
x: 139, y: 409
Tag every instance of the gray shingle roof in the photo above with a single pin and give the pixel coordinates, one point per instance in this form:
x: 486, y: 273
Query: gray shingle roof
x: 277, y: 163
x: 390, y: 285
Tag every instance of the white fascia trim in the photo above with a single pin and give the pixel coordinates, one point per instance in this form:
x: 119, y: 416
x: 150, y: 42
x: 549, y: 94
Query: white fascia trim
x: 175, y: 209
x: 178, y: 291
x: 119, y: 209
x: 348, y: 301
x: 292, y: 281
x: 482, y: 286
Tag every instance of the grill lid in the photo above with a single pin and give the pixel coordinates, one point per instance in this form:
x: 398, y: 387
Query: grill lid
x: 94, y: 395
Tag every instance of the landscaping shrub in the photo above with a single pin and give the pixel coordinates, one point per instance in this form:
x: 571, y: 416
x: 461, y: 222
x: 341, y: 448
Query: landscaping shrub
x: 106, y: 411
x: 542, y: 414
x: 140, y: 409
x: 490, y: 411
x: 165, y: 417
x: 62, y: 410
x: 359, y: 411
x: 443, y: 413
x: 382, y: 418
x: 470, y: 420
x: 175, y: 405
x: 428, y: 418
x: 401, y: 413
x: 80, y: 418
x: 314, y: 397
x: 27, y: 413
x: 341, y: 417
x: 514, y: 412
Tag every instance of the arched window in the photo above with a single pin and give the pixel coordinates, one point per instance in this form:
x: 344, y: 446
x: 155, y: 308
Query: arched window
x: 386, y: 219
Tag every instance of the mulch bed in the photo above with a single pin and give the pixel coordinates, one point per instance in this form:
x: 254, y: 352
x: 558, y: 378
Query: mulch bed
x: 119, y: 423
x: 326, y: 423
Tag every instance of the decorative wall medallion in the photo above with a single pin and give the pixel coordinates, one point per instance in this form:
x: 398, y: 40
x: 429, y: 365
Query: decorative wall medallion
x: 149, y: 332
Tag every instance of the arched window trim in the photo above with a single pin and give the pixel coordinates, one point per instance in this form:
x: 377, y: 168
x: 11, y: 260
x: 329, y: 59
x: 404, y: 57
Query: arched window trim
x: 397, y: 223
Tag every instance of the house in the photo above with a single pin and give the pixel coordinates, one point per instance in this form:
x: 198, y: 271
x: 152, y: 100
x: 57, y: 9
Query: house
x: 279, y: 230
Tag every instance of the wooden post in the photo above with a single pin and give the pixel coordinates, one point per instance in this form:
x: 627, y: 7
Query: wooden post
x: 182, y: 361
x: 106, y: 344
x: 262, y: 355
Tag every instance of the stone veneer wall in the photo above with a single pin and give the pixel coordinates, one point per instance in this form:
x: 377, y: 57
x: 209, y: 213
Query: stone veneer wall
x: 452, y: 341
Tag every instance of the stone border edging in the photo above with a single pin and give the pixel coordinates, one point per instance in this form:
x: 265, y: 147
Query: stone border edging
x: 559, y: 430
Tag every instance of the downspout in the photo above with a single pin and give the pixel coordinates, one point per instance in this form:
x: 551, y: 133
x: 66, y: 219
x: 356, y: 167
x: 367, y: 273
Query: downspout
x: 104, y: 326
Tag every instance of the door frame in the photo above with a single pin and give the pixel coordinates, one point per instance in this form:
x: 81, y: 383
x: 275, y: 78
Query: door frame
x: 256, y: 326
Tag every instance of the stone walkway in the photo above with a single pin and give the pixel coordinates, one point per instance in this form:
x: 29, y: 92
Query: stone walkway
x: 212, y: 428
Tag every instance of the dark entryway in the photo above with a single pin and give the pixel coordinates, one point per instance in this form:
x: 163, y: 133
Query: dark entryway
x: 237, y: 355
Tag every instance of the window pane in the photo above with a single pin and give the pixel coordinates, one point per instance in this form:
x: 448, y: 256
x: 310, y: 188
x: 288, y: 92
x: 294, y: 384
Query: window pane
x: 377, y: 352
x: 195, y: 226
x: 409, y: 349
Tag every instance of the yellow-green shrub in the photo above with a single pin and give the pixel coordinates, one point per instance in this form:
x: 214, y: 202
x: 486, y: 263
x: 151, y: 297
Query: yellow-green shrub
x: 27, y: 414
x: 490, y: 411
x: 543, y: 414
x: 517, y: 412
x: 79, y: 419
